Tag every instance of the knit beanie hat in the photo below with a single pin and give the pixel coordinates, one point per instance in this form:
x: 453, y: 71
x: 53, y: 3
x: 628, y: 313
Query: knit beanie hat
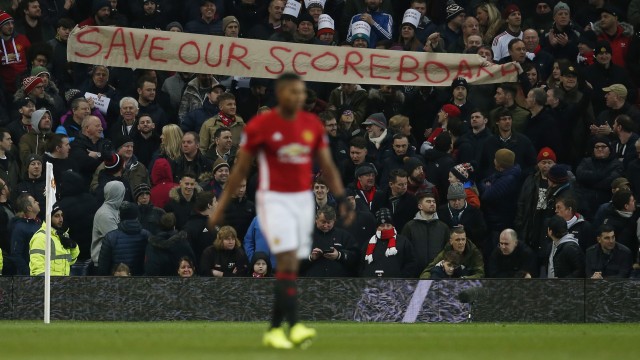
x: 558, y: 174
x: 451, y: 110
x: 112, y: 164
x: 505, y: 158
x: 141, y: 189
x: 30, y: 82
x: 384, y: 217
x: 99, y: 4
x: 120, y: 141
x: 454, y: 10
x: 128, y: 211
x: 228, y: 20
x: 71, y: 95
x: 462, y: 172
x: 456, y: 192
x: 34, y: 157
x: 5, y: 17
x: 560, y: 6
x: 411, y: 163
x: 510, y: 10
x: 546, y: 153
x: 39, y: 70
x: 219, y: 163
x: 175, y: 24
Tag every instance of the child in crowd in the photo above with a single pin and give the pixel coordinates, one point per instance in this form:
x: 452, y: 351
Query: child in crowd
x: 449, y: 268
x: 261, y: 265
x: 121, y: 270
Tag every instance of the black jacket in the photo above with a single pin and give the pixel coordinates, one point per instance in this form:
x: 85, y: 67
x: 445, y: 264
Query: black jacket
x: 199, y: 236
x: 198, y: 166
x: 126, y: 245
x: 542, y: 131
x: 568, y: 260
x: 477, y: 142
x: 150, y: 217
x: 402, y: 212
x: 164, y: 251
x: 616, y: 264
x: 346, y: 263
x: 518, y: 143
x: 145, y: 148
x: 179, y: 206
x: 427, y: 238
x: 401, y: 265
x: 362, y: 228
x: 472, y: 220
x: 239, y: 214
x: 79, y: 155
x: 515, y: 265
x: 594, y: 177
x: 233, y: 263
x: 437, y: 167
x: 625, y: 230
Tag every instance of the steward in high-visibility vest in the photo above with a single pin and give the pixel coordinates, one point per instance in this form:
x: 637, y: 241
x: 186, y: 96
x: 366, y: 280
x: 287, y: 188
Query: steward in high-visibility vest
x: 64, y: 251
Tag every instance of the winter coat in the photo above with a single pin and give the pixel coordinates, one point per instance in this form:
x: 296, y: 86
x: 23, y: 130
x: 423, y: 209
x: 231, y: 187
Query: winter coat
x: 528, y: 218
x: 519, y: 115
x: 515, y: 265
x: 61, y: 258
x: 193, y: 97
x: 471, y: 260
x: 568, y: 259
x: 198, y: 166
x: 79, y: 155
x: 194, y: 119
x: 619, y: 42
x: 594, y: 177
x: 518, y: 143
x: 625, y: 230
x: 402, y: 211
x: 427, y: 238
x: 239, y: 214
x: 401, y: 265
x: 180, y: 206
x: 616, y: 264
x: 164, y: 251
x: 61, y: 166
x: 199, y: 236
x: 543, y: 132
x: 584, y: 232
x: 79, y: 208
x: 233, y: 263
x: 22, y: 230
x: 362, y: 228
x: 600, y: 77
x: 133, y: 174
x: 437, y: 168
x: 162, y: 180
x: 209, y: 127
x: 255, y: 242
x: 150, y: 217
x: 107, y: 217
x: 35, y: 188
x: 357, y: 102
x: 343, y: 266
x: 477, y: 141
x: 125, y: 245
x: 157, y: 113
x: 472, y: 220
x: 10, y: 175
x: 498, y: 193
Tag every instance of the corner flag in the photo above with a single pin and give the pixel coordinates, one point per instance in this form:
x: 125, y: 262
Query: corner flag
x: 50, y: 194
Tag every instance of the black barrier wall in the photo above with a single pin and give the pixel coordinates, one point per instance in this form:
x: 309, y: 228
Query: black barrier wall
x: 156, y: 299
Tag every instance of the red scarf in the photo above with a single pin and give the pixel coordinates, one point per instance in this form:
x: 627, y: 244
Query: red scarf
x: 390, y: 235
x: 226, y: 120
x: 367, y: 194
x: 537, y: 49
x: 256, y: 275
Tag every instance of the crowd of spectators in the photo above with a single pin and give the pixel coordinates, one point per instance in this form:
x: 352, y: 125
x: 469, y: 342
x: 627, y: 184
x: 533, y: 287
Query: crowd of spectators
x: 534, y: 178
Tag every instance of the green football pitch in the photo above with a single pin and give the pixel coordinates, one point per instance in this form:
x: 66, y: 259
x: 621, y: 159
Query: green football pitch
x: 214, y: 340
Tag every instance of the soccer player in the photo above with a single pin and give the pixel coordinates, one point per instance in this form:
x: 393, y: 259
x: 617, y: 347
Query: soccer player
x: 286, y: 141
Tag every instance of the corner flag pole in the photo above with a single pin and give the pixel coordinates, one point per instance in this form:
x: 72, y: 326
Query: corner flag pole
x: 51, y: 199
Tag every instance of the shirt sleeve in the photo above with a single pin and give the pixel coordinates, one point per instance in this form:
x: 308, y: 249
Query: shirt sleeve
x: 251, y: 139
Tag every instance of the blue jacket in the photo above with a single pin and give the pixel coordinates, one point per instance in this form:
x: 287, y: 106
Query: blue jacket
x: 381, y: 30
x: 255, y: 242
x: 125, y: 245
x: 496, y: 195
x: 194, y: 119
x: 22, y: 231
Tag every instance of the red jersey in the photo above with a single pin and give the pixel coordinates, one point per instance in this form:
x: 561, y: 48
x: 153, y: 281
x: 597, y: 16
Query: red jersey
x: 285, y: 149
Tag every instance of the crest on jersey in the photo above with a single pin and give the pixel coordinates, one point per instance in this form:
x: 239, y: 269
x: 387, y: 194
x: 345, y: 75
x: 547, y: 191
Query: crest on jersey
x: 307, y: 136
x: 277, y: 136
x: 295, y: 154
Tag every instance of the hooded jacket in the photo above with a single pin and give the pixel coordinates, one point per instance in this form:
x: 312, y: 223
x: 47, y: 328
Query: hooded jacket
x: 567, y: 258
x: 125, y: 245
x: 35, y: 141
x: 193, y: 97
x: 79, y: 208
x: 107, y: 217
x: 619, y: 42
x: 471, y: 260
x: 164, y: 251
x: 427, y: 237
x: 180, y: 206
x: 162, y: 180
x: 257, y: 256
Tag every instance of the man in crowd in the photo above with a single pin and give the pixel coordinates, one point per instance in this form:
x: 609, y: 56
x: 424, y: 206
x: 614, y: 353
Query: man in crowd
x: 513, y: 18
x: 457, y: 212
x: 365, y: 186
x: 65, y: 250
x: 9, y: 167
x: 608, y: 258
x: 512, y: 258
x: 505, y: 98
x: 402, y: 205
x: 183, y: 198
x: 147, y: 104
x: 86, y: 148
x: 35, y: 141
x: 566, y: 260
x: 209, y: 22
x: 472, y: 263
x: 225, y: 118
x: 24, y: 226
x: 381, y: 23
x: 192, y: 160
x: 106, y: 218
x: 357, y: 156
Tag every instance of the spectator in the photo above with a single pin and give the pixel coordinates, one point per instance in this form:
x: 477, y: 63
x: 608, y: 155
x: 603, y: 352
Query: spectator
x: 326, y: 30
x: 131, y: 172
x: 541, y: 128
x: 365, y: 186
x: 633, y: 171
x: 191, y: 160
x: 80, y: 109
x: 126, y: 244
x: 388, y: 254
x: 57, y: 153
x: 566, y: 260
x: 625, y: 131
x: 362, y: 225
x: 195, y: 93
x: 624, y: 220
x: 614, y: 31
x: 107, y: 217
x: 63, y: 249
x: 225, y: 258
x: 449, y: 268
x: 336, y: 144
x: 34, y: 181
x: 225, y: 118
x: 35, y: 141
x: 463, y: 174
x: 379, y: 139
x: 17, y: 45
x: 512, y: 258
x: 186, y: 268
x: 505, y: 98
x: 255, y: 243
x: 357, y: 156
x: 617, y: 104
x: 196, y: 226
x: 381, y: 23
x: 248, y: 101
x: 402, y: 205
x: 608, y: 258
x: 209, y: 22
x: 451, y: 30
x: 194, y: 119
x: 562, y: 39
x: 98, y: 83
x: 513, y: 18
x: 417, y: 181
x: 472, y: 264
x: 425, y: 27
x: 148, y: 101
x: 542, y: 59
x: 25, y: 106
x: 335, y: 253
x: 240, y: 211
x: 321, y: 194
x: 352, y: 95
x: 58, y: 44
x: 166, y: 249
x: 261, y: 266
x: 479, y: 132
x: 426, y: 233
x: 145, y: 140
x: 182, y: 199
x: 9, y: 168
x: 457, y: 212
x: 149, y: 215
x: 162, y: 179
x: 24, y: 226
x: 272, y: 24
x: 288, y: 22
x: 218, y: 177
x: 175, y: 85
x: 87, y: 147
x: 395, y: 158
x: 438, y: 161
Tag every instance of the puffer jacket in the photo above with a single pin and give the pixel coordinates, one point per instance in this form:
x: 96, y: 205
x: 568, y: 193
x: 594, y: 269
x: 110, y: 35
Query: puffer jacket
x: 180, y: 206
x: 427, y: 237
x: 164, y: 251
x: 61, y: 258
x: 125, y: 245
x: 471, y: 260
x: 498, y: 193
x: 162, y: 180
x: 619, y: 42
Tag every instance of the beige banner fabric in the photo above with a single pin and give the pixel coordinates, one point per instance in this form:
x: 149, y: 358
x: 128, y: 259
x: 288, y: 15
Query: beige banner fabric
x: 206, y: 54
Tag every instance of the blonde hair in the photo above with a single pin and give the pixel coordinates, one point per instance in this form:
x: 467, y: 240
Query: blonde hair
x: 226, y: 232
x: 494, y: 23
x: 398, y: 122
x: 171, y: 141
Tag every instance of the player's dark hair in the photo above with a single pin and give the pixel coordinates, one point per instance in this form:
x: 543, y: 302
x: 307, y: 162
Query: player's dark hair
x: 287, y: 78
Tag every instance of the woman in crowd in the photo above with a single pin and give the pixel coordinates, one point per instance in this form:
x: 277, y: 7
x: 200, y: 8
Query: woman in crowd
x: 186, y: 269
x: 225, y: 258
x: 490, y: 21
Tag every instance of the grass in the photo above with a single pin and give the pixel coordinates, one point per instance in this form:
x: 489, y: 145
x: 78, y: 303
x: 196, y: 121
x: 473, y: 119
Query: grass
x: 213, y: 340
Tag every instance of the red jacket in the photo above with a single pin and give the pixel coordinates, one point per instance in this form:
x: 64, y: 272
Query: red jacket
x: 619, y: 43
x: 162, y: 180
x: 14, y: 62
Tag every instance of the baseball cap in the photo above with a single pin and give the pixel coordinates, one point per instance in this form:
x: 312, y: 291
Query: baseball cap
x: 377, y: 119
x: 617, y: 89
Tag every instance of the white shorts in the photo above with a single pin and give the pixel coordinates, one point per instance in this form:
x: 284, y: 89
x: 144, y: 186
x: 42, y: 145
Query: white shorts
x: 287, y: 220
